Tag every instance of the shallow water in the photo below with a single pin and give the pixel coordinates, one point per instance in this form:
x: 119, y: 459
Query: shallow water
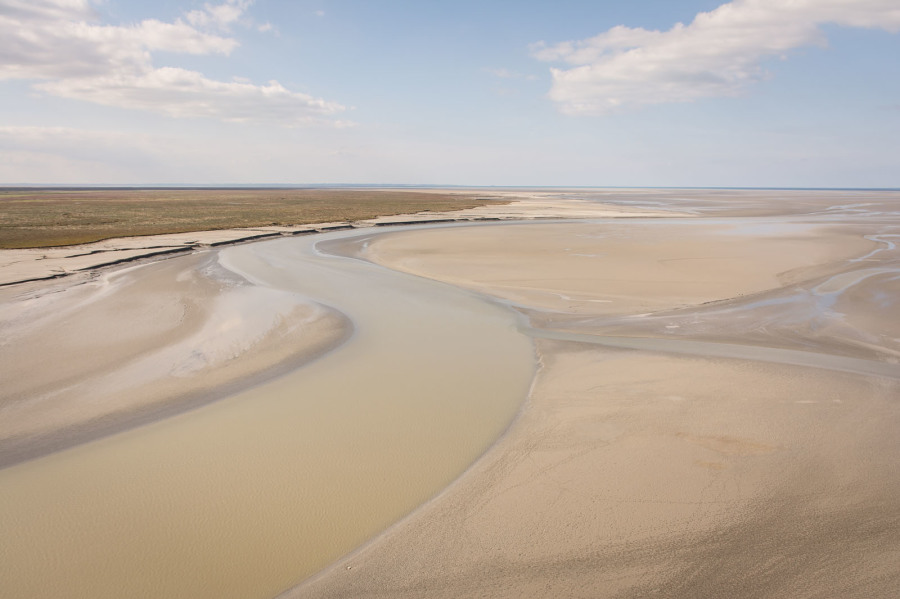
x: 731, y: 351
x: 249, y: 495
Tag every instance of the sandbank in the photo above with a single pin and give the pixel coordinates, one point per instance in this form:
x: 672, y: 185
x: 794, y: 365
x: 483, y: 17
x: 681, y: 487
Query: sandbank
x: 616, y: 267
x: 134, y: 345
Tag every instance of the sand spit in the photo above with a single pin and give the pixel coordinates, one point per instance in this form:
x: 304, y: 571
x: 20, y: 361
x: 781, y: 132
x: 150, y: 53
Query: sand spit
x: 40, y: 264
x: 135, y: 345
x: 664, y: 450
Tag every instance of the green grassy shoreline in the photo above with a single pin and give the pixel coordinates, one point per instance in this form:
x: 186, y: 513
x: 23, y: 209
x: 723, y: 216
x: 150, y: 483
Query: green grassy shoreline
x: 51, y: 217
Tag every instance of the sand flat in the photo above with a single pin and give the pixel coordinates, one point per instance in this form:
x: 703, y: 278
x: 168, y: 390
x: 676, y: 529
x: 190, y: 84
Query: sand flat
x: 702, y: 465
x: 618, y: 267
x: 633, y: 474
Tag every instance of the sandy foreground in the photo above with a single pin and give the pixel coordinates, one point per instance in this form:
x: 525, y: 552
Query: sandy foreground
x: 669, y: 470
x: 741, y: 443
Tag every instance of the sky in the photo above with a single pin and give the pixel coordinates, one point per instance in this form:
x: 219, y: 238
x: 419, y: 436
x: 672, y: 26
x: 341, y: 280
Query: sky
x: 637, y: 93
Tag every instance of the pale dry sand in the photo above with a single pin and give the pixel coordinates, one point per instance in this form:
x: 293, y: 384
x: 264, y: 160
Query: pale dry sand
x: 618, y: 267
x: 133, y: 345
x: 534, y: 205
x: 672, y: 470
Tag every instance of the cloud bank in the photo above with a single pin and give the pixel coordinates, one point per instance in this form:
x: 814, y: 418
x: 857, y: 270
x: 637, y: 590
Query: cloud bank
x: 61, y: 45
x: 718, y: 54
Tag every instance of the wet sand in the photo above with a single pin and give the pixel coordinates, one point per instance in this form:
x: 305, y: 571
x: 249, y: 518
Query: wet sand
x: 144, y: 343
x: 715, y: 413
x: 636, y: 474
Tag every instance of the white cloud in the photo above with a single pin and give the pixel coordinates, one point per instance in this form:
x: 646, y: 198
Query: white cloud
x: 718, y: 54
x: 219, y: 15
x: 182, y: 93
x: 59, y: 43
x: 175, y: 37
x: 61, y: 9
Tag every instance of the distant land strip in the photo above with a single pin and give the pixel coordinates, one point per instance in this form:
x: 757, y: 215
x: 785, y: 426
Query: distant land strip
x: 53, y: 217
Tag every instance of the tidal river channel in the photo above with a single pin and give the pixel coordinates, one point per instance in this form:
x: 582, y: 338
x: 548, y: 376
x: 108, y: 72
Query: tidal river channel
x: 246, y: 496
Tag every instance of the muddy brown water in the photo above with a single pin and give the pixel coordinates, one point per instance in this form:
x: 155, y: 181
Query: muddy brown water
x: 246, y: 496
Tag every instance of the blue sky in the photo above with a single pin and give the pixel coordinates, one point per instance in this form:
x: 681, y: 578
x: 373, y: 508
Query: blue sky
x: 641, y: 93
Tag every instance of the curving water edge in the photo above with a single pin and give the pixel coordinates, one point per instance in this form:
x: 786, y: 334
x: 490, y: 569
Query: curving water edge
x: 249, y: 495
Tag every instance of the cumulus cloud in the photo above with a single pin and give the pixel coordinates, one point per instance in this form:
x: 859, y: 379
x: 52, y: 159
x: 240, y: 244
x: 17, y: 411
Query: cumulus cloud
x: 718, y: 54
x: 61, y: 44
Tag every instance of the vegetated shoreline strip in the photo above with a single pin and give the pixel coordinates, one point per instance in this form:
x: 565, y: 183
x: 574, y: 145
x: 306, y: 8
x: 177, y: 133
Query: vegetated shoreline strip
x: 57, y: 217
x: 156, y: 253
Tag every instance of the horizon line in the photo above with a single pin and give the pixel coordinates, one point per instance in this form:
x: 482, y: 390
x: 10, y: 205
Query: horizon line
x: 177, y: 186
